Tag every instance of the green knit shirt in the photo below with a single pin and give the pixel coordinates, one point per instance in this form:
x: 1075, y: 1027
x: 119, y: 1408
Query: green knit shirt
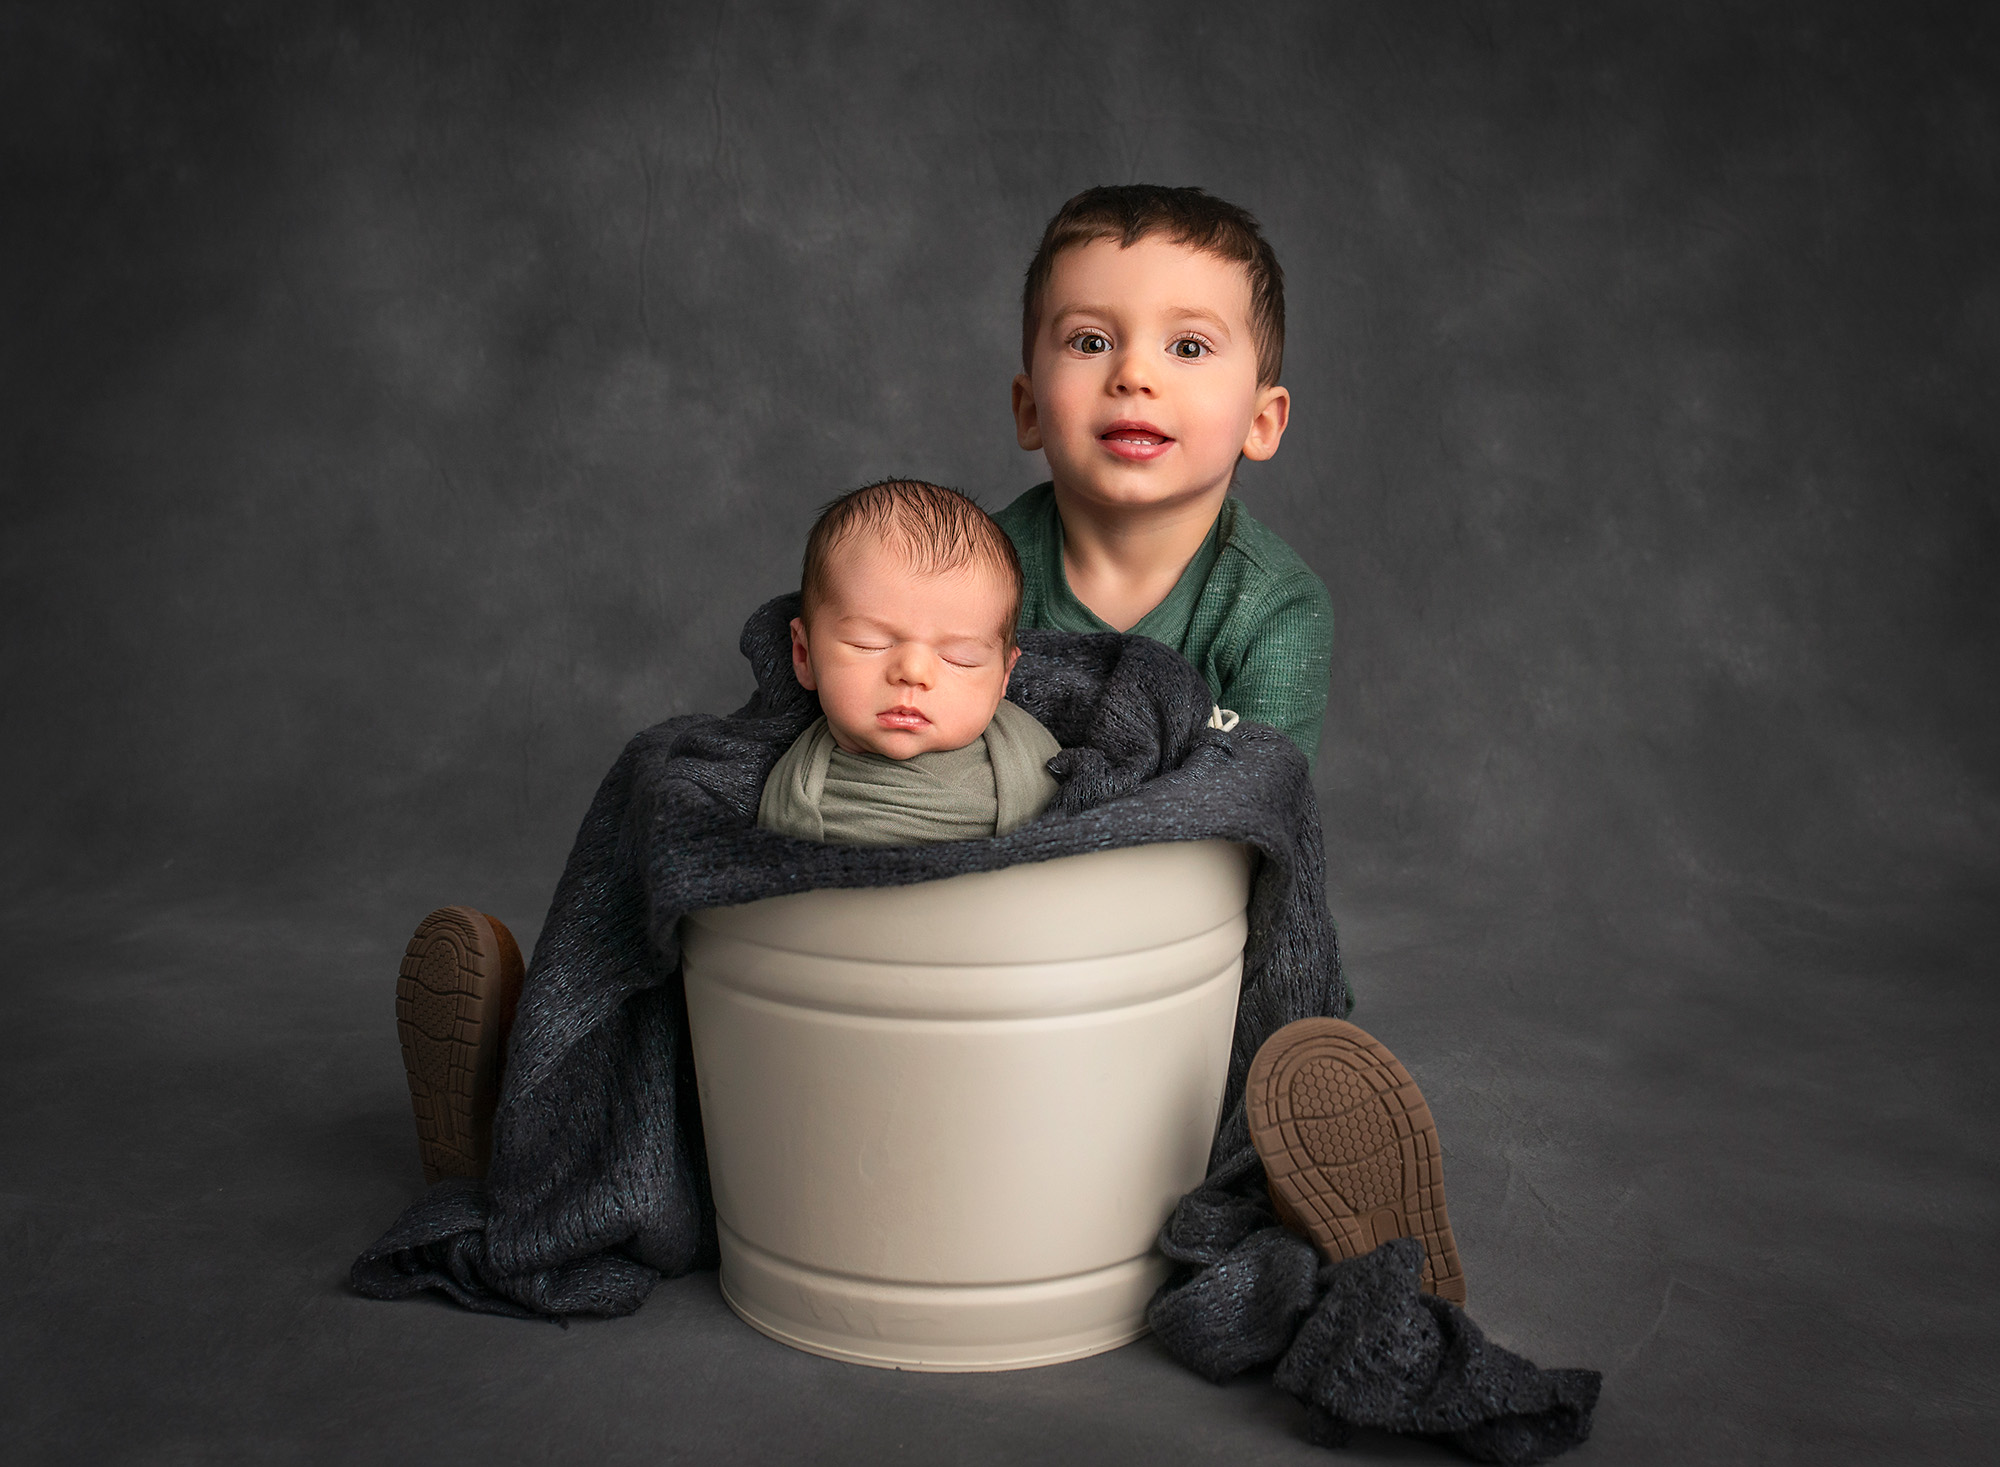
x: 1246, y: 612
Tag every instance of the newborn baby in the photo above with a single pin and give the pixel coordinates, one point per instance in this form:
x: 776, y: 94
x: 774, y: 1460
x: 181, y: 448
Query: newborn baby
x: 909, y: 597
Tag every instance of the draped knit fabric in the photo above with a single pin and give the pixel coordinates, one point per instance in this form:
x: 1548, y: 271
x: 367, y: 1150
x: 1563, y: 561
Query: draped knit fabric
x: 599, y: 1183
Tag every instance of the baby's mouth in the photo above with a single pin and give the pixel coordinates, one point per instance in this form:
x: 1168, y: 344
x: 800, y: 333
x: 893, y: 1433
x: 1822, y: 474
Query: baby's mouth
x: 902, y: 717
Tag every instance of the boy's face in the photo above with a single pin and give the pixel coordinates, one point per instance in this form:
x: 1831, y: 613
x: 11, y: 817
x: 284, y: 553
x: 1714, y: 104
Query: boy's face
x: 1143, y: 383
x: 904, y: 662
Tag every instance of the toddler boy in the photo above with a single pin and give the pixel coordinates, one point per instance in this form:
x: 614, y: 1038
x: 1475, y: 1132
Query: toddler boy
x: 910, y: 595
x: 1152, y: 334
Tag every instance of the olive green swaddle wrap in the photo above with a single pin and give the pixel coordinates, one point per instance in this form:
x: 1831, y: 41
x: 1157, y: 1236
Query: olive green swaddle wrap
x: 995, y: 784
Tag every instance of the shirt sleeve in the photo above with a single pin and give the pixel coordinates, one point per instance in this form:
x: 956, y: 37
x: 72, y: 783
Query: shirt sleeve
x: 1280, y: 674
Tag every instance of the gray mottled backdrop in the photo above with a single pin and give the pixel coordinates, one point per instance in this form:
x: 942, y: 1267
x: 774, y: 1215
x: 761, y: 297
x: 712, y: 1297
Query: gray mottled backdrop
x: 405, y: 404
x: 401, y: 403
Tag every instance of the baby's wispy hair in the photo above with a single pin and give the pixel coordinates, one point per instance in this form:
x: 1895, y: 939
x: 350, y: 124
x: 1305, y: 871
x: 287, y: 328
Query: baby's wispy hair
x: 935, y: 529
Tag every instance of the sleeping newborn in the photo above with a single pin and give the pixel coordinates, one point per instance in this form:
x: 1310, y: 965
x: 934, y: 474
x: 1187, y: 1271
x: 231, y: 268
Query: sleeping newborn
x: 909, y: 598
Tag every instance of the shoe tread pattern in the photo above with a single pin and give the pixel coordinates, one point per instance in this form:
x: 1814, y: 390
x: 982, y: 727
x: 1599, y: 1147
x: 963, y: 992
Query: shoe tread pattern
x: 454, y: 994
x: 1349, y: 1147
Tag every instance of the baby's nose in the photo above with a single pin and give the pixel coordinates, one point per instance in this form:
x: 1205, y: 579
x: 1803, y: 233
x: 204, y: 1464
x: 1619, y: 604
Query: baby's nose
x: 912, y: 667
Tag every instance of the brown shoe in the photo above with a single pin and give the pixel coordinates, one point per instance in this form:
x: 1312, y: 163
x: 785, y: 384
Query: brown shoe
x: 455, y: 998
x: 1349, y: 1147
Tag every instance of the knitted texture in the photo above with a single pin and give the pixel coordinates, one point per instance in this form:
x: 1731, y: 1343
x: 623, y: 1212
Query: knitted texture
x: 1356, y: 1341
x: 1247, y: 612
x: 598, y: 1182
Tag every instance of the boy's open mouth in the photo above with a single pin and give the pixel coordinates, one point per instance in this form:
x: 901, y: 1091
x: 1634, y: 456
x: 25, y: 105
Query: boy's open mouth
x: 901, y: 717
x: 1136, y: 441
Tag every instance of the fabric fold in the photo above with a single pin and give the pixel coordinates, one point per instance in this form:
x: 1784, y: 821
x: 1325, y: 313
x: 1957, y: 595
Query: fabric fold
x: 993, y: 786
x: 1378, y: 1352
x: 1358, y: 1342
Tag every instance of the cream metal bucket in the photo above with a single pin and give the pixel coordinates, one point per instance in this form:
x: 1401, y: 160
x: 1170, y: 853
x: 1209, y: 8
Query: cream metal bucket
x: 945, y: 1121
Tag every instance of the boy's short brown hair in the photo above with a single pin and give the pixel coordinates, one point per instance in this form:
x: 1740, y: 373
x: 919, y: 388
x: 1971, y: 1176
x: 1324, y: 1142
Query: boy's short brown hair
x: 1128, y: 213
x: 938, y: 529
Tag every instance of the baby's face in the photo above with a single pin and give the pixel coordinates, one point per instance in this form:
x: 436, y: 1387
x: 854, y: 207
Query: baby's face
x: 904, y: 663
x: 1143, y: 388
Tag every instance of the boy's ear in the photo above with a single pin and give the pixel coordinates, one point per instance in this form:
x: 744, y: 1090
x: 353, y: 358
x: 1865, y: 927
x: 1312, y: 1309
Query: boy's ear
x: 1274, y: 410
x: 801, y: 665
x: 1027, y: 423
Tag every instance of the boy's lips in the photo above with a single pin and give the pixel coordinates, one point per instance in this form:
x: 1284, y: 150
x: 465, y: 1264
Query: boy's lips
x: 903, y: 718
x: 1135, y: 440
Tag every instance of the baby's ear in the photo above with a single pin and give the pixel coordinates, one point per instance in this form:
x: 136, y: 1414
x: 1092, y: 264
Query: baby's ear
x: 1013, y: 656
x: 801, y: 664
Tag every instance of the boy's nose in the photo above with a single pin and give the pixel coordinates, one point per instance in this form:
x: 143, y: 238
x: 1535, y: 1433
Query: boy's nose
x: 1130, y: 375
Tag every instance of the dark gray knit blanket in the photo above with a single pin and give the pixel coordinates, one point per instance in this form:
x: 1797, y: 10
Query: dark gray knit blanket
x: 599, y: 1185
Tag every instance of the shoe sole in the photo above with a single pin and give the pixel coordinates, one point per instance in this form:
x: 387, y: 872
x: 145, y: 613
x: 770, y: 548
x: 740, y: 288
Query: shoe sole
x: 1349, y: 1147
x: 455, y: 999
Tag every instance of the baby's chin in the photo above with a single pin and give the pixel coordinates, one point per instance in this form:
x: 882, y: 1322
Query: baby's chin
x: 900, y: 744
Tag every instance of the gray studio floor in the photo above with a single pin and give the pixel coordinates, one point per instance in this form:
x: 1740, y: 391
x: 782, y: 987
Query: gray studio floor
x: 1737, y: 1153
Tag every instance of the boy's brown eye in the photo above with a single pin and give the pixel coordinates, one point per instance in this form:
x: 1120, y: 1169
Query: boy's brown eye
x: 1090, y: 343
x: 1188, y: 349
